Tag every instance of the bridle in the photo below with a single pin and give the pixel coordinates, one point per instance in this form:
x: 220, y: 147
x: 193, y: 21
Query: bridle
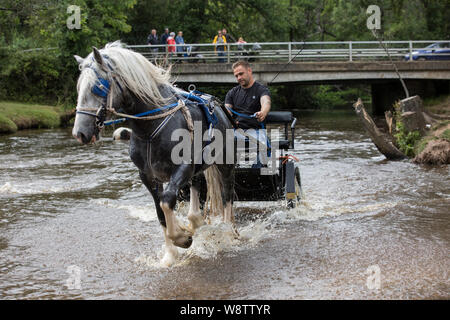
x: 101, y: 89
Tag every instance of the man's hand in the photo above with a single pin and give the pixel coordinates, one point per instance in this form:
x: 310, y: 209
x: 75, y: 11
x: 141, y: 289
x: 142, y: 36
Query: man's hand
x: 260, y: 116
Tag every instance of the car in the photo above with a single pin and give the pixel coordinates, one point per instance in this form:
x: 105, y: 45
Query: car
x: 435, y: 51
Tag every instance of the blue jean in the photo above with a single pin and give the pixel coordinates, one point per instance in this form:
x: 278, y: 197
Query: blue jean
x: 221, y: 53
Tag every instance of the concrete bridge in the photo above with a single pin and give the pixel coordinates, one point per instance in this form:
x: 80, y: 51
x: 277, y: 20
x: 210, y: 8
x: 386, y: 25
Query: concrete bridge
x: 313, y: 63
x: 424, y: 78
x: 314, y: 72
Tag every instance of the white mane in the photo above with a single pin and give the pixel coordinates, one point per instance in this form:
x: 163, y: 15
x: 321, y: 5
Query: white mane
x: 133, y: 71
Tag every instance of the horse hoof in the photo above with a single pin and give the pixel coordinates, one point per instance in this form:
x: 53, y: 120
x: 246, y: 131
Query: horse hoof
x: 195, y: 223
x: 183, y: 243
x: 168, y: 260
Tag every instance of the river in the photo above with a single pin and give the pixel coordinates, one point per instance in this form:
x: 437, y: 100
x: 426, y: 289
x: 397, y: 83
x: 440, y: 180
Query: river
x: 76, y: 223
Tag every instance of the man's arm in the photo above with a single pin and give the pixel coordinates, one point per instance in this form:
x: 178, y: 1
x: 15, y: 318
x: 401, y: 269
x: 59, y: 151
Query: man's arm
x: 265, y: 108
x: 229, y: 100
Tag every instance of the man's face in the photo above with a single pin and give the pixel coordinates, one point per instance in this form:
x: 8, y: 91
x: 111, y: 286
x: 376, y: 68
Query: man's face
x: 153, y: 31
x: 243, y: 76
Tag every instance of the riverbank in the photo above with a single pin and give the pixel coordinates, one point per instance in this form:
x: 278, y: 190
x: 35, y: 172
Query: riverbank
x: 18, y: 116
x: 434, y: 147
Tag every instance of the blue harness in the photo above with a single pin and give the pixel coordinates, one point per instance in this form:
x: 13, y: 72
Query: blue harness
x: 211, y: 117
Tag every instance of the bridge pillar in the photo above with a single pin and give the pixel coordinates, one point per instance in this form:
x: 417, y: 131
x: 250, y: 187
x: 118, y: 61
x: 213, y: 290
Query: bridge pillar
x: 385, y: 94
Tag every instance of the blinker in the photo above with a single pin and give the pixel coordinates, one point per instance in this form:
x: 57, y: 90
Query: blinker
x: 101, y: 89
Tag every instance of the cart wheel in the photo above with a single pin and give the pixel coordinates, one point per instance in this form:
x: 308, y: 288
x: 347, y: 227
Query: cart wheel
x: 293, y: 200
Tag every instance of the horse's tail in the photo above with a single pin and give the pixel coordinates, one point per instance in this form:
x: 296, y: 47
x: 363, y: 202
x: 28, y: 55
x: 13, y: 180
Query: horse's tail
x: 215, y: 186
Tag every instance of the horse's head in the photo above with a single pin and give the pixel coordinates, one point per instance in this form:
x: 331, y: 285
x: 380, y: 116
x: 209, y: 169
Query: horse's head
x: 95, y: 95
x: 115, y: 78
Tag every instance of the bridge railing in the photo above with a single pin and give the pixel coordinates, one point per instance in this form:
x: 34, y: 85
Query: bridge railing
x: 285, y: 51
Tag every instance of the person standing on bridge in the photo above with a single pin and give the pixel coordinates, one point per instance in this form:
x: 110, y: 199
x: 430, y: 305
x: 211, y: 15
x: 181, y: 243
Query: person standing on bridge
x: 180, y: 42
x: 250, y: 101
x: 171, y: 43
x: 164, y: 37
x: 220, y: 42
x: 228, y: 37
x: 153, y: 40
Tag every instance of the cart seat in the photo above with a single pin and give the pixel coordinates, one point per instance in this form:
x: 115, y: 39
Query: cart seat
x: 279, y: 117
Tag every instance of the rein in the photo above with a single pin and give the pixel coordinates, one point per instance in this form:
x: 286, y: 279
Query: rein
x: 246, y: 116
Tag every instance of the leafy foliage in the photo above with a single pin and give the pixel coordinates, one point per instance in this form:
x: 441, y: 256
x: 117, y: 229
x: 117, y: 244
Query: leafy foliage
x: 406, y: 141
x: 29, y: 24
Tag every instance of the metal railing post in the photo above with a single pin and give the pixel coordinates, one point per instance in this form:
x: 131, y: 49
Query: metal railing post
x: 228, y: 53
x: 290, y: 51
x: 410, y: 51
x: 350, y: 51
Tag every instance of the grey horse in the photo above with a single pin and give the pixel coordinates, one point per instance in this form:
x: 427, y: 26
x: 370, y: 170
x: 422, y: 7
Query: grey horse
x: 115, y: 79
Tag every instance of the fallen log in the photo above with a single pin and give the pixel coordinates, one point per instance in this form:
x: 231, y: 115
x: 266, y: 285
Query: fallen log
x: 436, y: 117
x: 383, y: 144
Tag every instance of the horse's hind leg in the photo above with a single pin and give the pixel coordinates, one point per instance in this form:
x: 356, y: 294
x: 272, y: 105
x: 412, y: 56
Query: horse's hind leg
x: 195, y: 216
x: 170, y: 251
x: 180, y: 236
x: 227, y: 172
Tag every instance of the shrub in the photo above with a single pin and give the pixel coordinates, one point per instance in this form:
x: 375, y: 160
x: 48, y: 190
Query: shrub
x: 406, y: 141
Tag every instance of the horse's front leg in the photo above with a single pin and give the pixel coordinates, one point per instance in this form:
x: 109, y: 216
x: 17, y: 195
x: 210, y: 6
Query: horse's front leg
x: 155, y: 188
x: 180, y: 236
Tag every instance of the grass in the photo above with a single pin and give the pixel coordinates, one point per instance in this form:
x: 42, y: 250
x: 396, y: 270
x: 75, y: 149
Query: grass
x: 15, y: 116
x: 422, y: 144
x: 438, y: 105
x: 435, y: 100
x: 446, y: 135
x: 438, y: 131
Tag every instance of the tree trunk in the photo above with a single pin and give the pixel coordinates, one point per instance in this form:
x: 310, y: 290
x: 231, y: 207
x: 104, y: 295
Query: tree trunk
x: 383, y: 144
x: 412, y: 114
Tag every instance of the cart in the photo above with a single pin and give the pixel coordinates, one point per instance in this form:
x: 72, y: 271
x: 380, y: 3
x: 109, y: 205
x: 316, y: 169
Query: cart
x: 282, y: 183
